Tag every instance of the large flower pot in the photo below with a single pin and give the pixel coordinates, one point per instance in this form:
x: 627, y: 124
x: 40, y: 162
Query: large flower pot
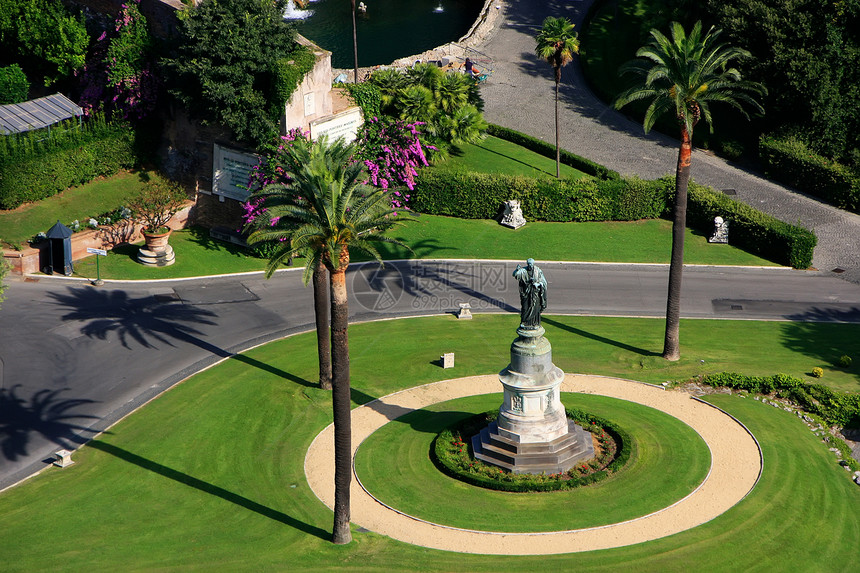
x: 156, y: 242
x: 156, y: 252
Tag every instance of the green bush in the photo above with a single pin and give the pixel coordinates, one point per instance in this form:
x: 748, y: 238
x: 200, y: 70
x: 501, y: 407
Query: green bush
x: 750, y: 229
x: 548, y: 150
x: 845, y: 361
x: 480, y: 196
x: 448, y: 455
x: 817, y: 372
x: 13, y: 85
x: 840, y: 409
x: 790, y: 161
x: 288, y: 74
x: 32, y: 169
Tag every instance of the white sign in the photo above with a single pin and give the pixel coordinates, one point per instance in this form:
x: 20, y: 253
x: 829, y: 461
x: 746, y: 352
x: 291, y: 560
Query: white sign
x: 231, y: 172
x: 93, y: 251
x: 341, y: 125
x: 310, y: 108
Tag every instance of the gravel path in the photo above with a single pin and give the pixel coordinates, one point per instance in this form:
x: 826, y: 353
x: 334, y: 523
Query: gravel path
x: 735, y: 468
x: 519, y: 95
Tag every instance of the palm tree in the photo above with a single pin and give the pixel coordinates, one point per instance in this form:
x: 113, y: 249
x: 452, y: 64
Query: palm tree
x: 684, y: 75
x: 557, y: 43
x: 322, y: 214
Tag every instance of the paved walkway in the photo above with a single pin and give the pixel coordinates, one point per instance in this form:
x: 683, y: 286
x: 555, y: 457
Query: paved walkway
x: 520, y: 95
x: 735, y: 469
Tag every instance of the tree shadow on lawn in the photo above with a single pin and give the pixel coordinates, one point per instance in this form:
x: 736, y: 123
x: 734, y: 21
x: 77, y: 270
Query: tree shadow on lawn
x: 209, y: 488
x: 823, y: 335
x: 45, y: 413
x: 598, y: 338
x: 202, y: 238
x: 515, y: 160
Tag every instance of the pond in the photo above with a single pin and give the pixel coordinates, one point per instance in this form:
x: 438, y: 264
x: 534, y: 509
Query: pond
x: 390, y: 29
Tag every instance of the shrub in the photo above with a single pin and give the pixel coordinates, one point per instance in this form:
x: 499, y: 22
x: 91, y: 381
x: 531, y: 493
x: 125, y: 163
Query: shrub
x: 480, y: 196
x: 14, y: 86
x: 817, y: 372
x: 452, y: 455
x: 548, y: 150
x: 32, y: 169
x: 845, y: 361
x: 836, y: 408
x: 790, y: 161
x: 750, y: 229
x: 156, y: 204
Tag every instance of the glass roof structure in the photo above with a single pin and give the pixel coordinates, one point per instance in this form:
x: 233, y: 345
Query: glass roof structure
x: 37, y: 113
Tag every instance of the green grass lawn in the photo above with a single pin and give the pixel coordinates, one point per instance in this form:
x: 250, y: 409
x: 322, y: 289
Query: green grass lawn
x: 409, y: 439
x: 89, y: 200
x: 210, y: 475
x: 494, y: 155
x: 432, y: 236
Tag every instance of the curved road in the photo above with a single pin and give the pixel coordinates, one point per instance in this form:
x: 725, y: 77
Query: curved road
x: 520, y: 95
x: 74, y: 358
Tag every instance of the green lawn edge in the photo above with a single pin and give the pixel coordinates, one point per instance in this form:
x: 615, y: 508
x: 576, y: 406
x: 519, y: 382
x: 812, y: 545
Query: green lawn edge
x: 210, y: 475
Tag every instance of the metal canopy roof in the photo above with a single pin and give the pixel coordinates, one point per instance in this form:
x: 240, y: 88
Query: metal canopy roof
x: 37, y: 113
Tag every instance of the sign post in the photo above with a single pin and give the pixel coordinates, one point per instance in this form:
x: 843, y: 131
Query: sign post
x: 98, y: 253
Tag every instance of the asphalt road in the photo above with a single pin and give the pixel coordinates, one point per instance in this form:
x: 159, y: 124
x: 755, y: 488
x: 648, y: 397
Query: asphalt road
x: 75, y: 358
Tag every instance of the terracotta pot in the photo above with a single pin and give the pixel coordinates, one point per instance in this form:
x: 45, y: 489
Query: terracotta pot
x: 156, y: 242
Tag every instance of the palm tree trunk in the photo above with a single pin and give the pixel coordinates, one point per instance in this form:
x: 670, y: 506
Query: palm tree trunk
x: 321, y: 312
x: 341, y: 405
x: 354, y: 43
x: 557, y: 146
x: 672, y: 341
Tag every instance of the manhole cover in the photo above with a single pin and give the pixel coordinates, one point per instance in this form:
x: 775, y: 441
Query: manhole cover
x: 730, y: 191
x: 737, y: 307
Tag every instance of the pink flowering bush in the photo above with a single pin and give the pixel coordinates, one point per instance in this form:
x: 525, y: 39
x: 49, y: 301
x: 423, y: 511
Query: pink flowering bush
x: 392, y: 152
x: 118, y: 75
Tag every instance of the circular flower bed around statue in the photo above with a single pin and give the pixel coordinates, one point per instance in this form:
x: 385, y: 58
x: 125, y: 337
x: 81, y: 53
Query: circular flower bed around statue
x: 455, y: 457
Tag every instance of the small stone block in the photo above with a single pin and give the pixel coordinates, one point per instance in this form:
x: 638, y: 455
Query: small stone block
x: 448, y: 360
x: 465, y: 310
x: 64, y: 459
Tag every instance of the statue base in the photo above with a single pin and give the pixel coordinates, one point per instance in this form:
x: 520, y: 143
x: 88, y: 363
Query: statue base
x: 532, y: 433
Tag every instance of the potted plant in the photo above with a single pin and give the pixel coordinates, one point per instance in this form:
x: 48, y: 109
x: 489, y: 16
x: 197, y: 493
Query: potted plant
x: 153, y: 208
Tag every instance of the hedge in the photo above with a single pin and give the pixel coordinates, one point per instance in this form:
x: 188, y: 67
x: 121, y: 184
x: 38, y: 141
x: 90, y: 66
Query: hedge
x: 749, y: 228
x: 548, y: 150
x: 790, y: 161
x: 31, y: 170
x: 470, y: 195
x: 837, y: 409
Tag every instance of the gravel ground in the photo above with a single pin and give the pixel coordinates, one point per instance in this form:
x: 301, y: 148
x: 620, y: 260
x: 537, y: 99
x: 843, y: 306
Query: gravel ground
x: 735, y: 468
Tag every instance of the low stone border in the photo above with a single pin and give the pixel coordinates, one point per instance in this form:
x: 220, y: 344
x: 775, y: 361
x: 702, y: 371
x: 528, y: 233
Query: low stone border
x: 736, y: 464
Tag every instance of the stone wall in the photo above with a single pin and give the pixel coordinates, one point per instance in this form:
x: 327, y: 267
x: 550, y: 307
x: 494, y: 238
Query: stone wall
x: 34, y: 258
x: 312, y: 99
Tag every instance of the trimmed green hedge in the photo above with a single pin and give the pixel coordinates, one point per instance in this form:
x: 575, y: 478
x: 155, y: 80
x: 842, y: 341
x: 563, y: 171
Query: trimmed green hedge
x: 471, y: 195
x: 749, y: 228
x: 31, y: 170
x: 790, y: 161
x: 841, y: 409
x: 548, y: 150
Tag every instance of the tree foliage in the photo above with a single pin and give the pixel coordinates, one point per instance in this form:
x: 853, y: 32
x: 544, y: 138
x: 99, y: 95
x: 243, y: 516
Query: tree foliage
x: 807, y: 53
x: 13, y: 84
x: 229, y: 61
x: 51, y: 41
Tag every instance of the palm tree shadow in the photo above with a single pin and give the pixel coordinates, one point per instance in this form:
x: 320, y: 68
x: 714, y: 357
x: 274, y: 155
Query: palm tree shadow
x: 598, y: 338
x: 209, y: 488
x: 147, y: 321
x: 46, y: 414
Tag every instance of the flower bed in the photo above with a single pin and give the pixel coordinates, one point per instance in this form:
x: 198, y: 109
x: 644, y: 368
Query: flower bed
x: 452, y: 453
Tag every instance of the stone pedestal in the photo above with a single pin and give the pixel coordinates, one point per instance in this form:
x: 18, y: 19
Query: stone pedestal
x: 160, y: 258
x: 532, y: 433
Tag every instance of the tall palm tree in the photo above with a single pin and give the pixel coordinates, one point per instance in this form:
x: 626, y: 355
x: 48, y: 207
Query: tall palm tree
x: 323, y: 213
x: 557, y: 43
x: 354, y: 43
x: 684, y: 75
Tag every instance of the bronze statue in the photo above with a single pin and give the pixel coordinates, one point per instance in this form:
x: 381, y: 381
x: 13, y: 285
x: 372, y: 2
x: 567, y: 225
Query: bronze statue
x: 532, y: 294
